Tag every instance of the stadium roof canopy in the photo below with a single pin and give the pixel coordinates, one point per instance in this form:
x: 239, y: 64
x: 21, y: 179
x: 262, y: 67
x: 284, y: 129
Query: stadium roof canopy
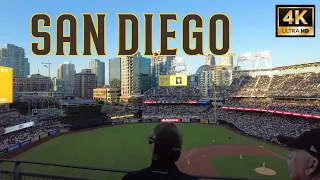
x: 290, y: 67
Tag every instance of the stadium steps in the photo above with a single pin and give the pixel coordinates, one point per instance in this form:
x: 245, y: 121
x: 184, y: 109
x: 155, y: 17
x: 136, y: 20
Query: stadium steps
x: 257, y: 82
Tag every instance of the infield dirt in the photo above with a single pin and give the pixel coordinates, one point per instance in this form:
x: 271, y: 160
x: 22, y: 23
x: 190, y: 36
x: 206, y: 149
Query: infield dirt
x: 199, y: 158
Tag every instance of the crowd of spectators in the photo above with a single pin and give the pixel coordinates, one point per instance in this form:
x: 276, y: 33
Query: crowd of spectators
x: 301, y: 84
x: 117, y: 110
x: 178, y: 111
x: 11, y: 117
x: 306, y: 106
x: 10, y: 139
x: 174, y: 93
x: 266, y: 125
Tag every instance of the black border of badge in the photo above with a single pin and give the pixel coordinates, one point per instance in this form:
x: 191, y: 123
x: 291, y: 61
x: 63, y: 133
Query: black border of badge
x: 314, y: 25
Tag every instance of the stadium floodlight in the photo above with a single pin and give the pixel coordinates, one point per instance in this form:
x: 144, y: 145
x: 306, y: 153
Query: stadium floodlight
x: 254, y: 58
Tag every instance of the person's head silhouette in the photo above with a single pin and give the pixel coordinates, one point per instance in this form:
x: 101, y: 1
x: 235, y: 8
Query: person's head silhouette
x: 304, y: 163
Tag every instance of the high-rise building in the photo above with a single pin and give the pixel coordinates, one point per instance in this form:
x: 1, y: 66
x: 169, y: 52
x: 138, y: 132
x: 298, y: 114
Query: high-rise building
x: 135, y: 79
x: 226, y: 60
x: 209, y: 60
x: 14, y: 57
x: 107, y: 94
x: 32, y: 83
x: 205, y: 81
x: 223, y: 75
x: 115, y: 72
x: 67, y: 71
x: 160, y: 65
x: 84, y: 83
x: 60, y: 85
x: 98, y: 68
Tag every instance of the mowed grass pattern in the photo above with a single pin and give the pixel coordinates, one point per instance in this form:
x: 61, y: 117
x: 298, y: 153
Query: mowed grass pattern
x: 121, y: 147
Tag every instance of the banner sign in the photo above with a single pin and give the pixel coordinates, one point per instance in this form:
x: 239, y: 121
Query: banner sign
x: 148, y: 102
x: 273, y: 111
x: 125, y: 116
x: 204, y: 121
x: 170, y: 120
x: 134, y: 121
x: 2, y: 152
x: 192, y: 102
x: 35, y: 138
x: 203, y: 102
x: 194, y: 120
x: 46, y: 112
x: 53, y: 132
x: 24, y: 143
x: 18, y: 127
x: 14, y: 147
x: 193, y: 80
x: 43, y: 135
x: 185, y: 120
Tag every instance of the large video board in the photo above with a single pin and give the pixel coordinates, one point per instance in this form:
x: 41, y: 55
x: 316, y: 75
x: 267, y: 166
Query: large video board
x: 173, y: 80
x: 6, y: 85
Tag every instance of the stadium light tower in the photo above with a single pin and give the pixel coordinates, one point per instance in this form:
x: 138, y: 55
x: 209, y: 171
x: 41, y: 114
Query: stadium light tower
x: 254, y: 58
x: 178, y: 66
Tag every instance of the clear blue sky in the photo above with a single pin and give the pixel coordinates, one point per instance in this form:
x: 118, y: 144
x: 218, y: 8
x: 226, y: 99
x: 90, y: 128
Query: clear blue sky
x: 252, y: 27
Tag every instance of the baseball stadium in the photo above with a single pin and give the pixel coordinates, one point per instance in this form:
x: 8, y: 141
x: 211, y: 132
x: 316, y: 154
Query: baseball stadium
x: 236, y: 134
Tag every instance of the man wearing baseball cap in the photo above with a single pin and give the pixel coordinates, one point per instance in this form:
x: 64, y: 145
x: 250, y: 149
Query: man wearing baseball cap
x: 304, y: 163
x: 166, y: 144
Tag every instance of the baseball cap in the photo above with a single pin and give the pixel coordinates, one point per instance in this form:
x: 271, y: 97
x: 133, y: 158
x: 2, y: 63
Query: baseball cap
x: 308, y: 141
x: 167, y: 138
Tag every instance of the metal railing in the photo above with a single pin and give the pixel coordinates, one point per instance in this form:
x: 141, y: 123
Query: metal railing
x: 17, y: 174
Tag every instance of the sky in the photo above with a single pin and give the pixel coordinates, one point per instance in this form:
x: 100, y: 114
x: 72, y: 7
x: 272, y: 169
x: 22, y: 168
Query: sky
x: 252, y: 28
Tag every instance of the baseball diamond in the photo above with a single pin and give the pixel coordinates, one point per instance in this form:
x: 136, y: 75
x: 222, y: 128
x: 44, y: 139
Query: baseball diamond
x: 125, y: 147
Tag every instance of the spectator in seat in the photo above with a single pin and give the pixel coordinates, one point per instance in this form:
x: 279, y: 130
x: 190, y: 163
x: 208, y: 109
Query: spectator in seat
x: 304, y: 163
x: 166, y: 144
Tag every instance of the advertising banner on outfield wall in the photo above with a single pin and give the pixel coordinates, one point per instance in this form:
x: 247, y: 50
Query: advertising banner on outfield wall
x: 14, y: 147
x: 2, y: 152
x: 35, y: 138
x: 53, y: 132
x: 126, y: 121
x: 204, y: 121
x: 170, y: 120
x: 134, y: 121
x: 195, y: 120
x: 186, y: 120
x: 24, y: 143
x: 154, y: 120
x: 43, y: 135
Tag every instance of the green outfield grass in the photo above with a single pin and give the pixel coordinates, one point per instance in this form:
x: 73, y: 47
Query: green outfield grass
x: 233, y: 166
x: 121, y: 147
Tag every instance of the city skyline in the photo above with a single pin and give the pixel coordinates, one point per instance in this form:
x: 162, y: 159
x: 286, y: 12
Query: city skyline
x: 248, y: 34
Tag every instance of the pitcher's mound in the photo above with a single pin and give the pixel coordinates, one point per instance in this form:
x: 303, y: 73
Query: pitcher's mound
x: 265, y: 171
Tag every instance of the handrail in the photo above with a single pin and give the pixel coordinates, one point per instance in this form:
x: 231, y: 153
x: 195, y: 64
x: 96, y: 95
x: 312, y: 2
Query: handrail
x: 18, y: 162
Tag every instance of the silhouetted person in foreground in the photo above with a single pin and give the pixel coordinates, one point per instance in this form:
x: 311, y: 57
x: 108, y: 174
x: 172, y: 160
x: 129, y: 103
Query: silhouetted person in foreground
x: 304, y: 163
x: 166, y: 144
